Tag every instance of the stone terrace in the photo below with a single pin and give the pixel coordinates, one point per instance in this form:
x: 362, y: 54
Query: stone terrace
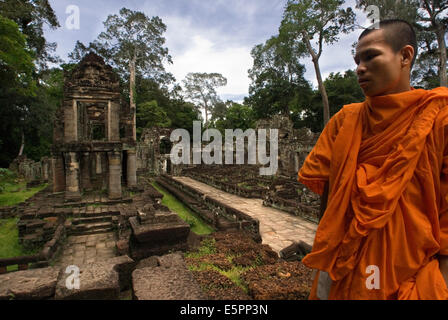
x: 278, y: 229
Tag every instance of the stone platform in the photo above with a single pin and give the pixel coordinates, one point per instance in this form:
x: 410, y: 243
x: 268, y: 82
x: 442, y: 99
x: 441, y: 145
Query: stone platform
x: 278, y: 229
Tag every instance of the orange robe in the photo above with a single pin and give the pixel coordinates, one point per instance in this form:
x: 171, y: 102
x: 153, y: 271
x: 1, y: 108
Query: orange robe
x: 386, y: 161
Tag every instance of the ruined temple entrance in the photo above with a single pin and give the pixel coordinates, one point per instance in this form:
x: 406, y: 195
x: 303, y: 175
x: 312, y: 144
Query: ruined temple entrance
x: 94, y: 148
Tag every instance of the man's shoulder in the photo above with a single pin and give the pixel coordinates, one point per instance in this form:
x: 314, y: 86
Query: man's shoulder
x: 347, y: 110
x: 442, y: 94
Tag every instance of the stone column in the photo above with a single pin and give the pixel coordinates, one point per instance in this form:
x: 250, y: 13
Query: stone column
x: 85, y: 172
x: 70, y: 121
x: 131, y: 168
x: 114, y: 174
x: 113, y: 121
x: 98, y: 168
x: 57, y: 164
x: 72, y: 192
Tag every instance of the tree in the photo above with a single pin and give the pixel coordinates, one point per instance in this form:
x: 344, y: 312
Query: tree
x: 17, y: 87
x: 150, y: 114
x: 278, y: 83
x: 342, y: 89
x: 235, y: 116
x: 30, y: 16
x: 323, y: 20
x: 200, y: 88
x: 430, y: 20
x: 136, y: 45
x: 180, y: 113
x: 435, y: 19
x: 25, y: 96
x: 425, y: 73
x: 82, y: 50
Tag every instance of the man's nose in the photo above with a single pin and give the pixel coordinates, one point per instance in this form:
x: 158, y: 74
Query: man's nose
x: 361, y: 69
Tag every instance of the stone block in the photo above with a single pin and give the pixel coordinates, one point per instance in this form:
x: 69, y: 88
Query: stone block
x: 160, y: 283
x: 124, y: 266
x: 98, y: 281
x: 34, y: 284
x: 172, y: 260
x: 150, y: 262
x: 156, y: 232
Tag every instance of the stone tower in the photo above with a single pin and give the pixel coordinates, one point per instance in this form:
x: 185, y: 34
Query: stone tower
x: 93, y: 145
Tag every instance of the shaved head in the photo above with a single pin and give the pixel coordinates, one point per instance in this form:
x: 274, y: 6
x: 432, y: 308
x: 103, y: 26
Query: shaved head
x: 397, y: 33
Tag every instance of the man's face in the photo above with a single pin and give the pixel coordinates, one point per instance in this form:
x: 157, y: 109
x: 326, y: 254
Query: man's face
x: 379, y: 67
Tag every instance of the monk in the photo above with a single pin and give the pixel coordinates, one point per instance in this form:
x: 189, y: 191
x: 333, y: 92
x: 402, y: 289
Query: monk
x: 384, y: 165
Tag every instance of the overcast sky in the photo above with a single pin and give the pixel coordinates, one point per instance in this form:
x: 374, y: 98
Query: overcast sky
x: 204, y: 35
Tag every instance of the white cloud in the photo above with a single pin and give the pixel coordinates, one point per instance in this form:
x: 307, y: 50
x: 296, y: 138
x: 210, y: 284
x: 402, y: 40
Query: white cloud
x: 198, y: 50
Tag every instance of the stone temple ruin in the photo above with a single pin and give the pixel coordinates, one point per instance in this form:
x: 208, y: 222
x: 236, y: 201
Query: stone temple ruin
x: 101, y: 211
x: 94, y: 146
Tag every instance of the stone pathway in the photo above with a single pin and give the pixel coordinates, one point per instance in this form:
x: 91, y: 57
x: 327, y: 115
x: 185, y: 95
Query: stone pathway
x: 277, y: 228
x: 92, y: 248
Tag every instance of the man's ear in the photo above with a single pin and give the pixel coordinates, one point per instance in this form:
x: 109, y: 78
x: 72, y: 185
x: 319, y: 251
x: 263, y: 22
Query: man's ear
x: 407, y: 55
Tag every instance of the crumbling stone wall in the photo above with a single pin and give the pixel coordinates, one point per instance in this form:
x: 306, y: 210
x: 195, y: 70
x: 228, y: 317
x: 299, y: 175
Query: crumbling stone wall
x: 153, y: 152
x: 293, y: 144
x: 31, y: 170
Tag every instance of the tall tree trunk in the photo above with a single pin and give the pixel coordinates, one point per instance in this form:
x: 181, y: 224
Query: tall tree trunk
x: 132, y: 96
x: 442, y: 55
x: 323, y: 92
x: 22, y: 145
x: 322, y: 89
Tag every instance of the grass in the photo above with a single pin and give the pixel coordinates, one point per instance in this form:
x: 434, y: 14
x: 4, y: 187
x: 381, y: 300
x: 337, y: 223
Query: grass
x: 10, y: 198
x: 197, y: 225
x: 9, y: 241
x: 244, y: 186
x: 13, y: 190
x: 208, y: 247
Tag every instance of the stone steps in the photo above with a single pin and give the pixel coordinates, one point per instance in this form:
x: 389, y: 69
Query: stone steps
x: 92, y: 219
x: 91, y: 228
x: 99, y: 214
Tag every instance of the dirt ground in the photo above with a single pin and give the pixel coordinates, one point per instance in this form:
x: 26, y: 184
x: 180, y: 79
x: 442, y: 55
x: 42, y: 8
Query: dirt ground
x: 231, y: 266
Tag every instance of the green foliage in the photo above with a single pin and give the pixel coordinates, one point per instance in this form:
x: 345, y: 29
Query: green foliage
x: 14, y: 56
x: 30, y: 16
x: 323, y: 20
x: 149, y: 115
x: 133, y: 35
x: 278, y: 83
x: 179, y: 114
x: 17, y: 88
x: 8, y: 180
x: 342, y: 89
x: 13, y: 194
x: 320, y: 20
x: 28, y: 103
x: 236, y: 116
